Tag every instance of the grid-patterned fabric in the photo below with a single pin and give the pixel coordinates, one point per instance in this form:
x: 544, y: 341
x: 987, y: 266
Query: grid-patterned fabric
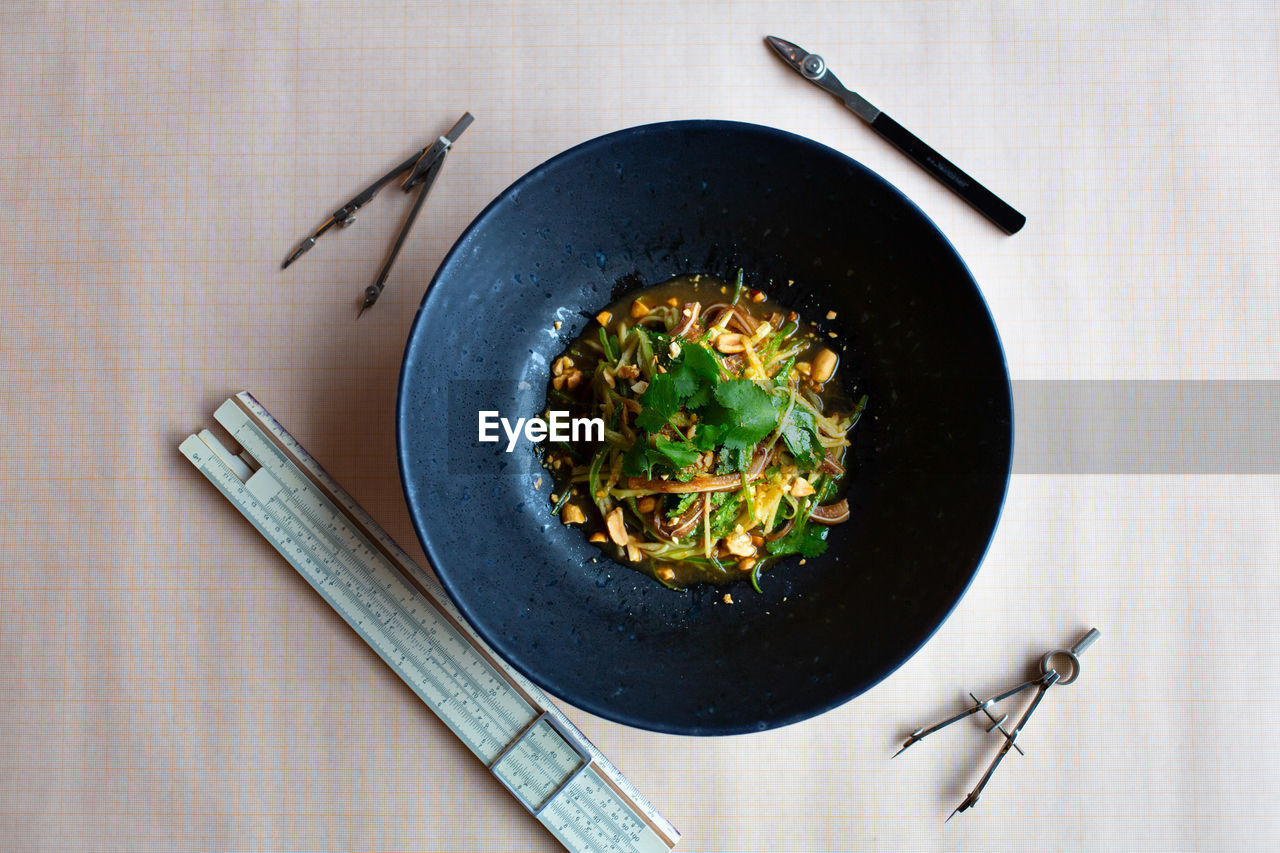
x: 166, y: 682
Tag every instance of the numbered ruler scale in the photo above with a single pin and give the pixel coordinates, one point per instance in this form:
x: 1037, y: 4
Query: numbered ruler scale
x: 404, y: 616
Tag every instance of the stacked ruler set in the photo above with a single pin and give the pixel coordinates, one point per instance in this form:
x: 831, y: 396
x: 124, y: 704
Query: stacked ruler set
x: 404, y: 616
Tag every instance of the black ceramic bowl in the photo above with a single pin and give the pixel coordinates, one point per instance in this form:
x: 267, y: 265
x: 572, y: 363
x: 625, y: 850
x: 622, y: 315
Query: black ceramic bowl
x: 930, y: 459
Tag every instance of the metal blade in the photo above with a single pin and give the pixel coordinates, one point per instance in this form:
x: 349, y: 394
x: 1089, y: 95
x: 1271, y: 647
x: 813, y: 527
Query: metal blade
x: 814, y: 69
x: 792, y: 54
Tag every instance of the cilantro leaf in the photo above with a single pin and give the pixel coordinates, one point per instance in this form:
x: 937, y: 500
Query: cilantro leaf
x: 700, y: 398
x: 671, y: 456
x: 660, y: 401
x: 733, y: 461
x: 707, y: 436
x: 750, y: 411
x: 807, y: 540
x: 677, y: 454
x: 695, y: 373
x: 689, y: 383
x: 800, y: 433
x: 636, y: 462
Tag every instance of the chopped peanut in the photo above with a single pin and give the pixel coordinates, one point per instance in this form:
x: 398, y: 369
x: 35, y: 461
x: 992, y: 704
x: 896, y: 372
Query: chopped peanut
x: 572, y: 514
x: 558, y: 383
x: 824, y: 364
x: 729, y: 343
x: 604, y: 317
x: 638, y: 309
x: 597, y: 537
x: 757, y: 296
x: 831, y: 315
x: 617, y: 530
x: 673, y: 302
x: 628, y: 371
x: 728, y: 599
x: 802, y: 367
x: 572, y: 379
x: 557, y: 324
x: 757, y: 539
x: 666, y: 573
x: 747, y: 564
x: 639, y: 387
x: 674, y: 350
x: 739, y: 544
x: 801, y: 488
x: 646, y: 504
x: 634, y: 554
x: 554, y: 497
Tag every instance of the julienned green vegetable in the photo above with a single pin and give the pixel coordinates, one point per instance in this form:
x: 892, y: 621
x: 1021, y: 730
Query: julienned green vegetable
x: 720, y: 457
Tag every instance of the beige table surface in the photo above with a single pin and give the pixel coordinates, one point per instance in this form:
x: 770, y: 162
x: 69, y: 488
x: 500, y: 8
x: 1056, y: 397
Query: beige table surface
x: 166, y: 682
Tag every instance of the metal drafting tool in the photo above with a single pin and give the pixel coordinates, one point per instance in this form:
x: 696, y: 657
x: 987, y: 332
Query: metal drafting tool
x: 402, y: 613
x: 423, y: 168
x: 814, y: 69
x: 1049, y: 676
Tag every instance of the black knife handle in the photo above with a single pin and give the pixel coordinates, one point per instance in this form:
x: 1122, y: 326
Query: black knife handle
x: 982, y: 199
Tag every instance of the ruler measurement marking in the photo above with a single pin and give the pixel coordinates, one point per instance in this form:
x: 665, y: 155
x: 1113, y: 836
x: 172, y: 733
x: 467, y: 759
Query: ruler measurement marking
x: 286, y: 458
x: 289, y: 446
x: 358, y: 617
x: 347, y: 553
x: 464, y: 701
x: 356, y: 613
x: 545, y: 767
x: 575, y: 822
x: 373, y: 585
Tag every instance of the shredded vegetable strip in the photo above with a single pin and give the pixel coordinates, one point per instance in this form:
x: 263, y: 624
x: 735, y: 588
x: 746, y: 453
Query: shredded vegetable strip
x: 706, y: 522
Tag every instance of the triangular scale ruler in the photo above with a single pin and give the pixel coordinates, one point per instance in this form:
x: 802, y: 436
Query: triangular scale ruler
x: 404, y: 616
